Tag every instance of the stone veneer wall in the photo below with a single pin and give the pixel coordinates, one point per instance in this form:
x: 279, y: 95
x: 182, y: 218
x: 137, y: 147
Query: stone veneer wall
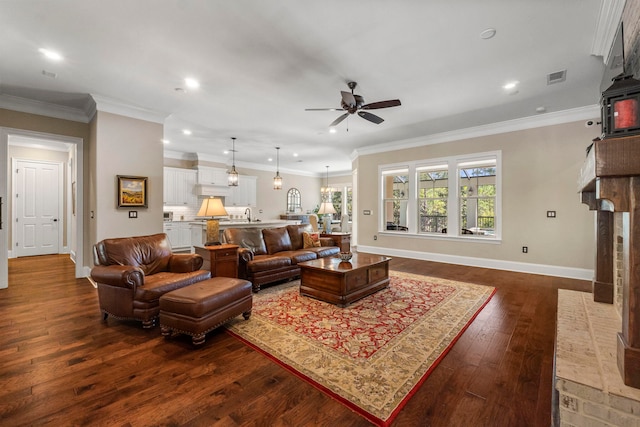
x: 631, y: 29
x: 618, y: 261
x: 590, y: 389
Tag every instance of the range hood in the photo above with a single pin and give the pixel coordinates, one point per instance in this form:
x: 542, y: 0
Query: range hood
x: 212, y: 190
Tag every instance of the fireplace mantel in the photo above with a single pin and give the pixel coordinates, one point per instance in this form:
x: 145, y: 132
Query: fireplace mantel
x: 610, y: 182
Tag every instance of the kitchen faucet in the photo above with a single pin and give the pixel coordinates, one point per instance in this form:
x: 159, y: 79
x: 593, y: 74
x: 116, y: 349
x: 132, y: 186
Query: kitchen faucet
x: 247, y: 212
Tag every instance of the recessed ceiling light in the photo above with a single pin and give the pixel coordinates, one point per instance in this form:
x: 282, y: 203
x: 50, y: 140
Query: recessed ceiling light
x: 332, y: 129
x: 50, y: 54
x: 510, y: 85
x: 270, y: 159
x: 225, y: 152
x: 488, y: 33
x: 186, y: 132
x: 295, y: 154
x: 165, y: 141
x: 191, y: 83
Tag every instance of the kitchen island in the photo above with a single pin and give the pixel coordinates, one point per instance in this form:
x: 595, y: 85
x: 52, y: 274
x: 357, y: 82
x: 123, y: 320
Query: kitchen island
x: 199, y: 227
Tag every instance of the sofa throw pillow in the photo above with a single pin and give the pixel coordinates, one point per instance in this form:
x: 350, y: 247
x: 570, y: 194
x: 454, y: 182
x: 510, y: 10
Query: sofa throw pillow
x: 310, y: 240
x: 276, y: 239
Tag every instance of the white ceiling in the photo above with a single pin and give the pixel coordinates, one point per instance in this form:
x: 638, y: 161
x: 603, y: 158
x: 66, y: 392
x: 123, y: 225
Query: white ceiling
x: 261, y: 63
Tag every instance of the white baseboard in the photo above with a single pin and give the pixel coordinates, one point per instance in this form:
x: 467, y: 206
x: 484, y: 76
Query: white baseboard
x: 520, y: 267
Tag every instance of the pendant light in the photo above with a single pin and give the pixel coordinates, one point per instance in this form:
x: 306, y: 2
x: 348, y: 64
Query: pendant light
x: 277, y: 180
x: 233, y: 174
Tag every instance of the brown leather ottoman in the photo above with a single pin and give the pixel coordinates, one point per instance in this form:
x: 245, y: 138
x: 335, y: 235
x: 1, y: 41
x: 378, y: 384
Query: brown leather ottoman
x: 203, y: 306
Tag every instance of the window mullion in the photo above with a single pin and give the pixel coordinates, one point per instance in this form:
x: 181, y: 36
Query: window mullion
x: 453, y: 214
x: 412, y: 202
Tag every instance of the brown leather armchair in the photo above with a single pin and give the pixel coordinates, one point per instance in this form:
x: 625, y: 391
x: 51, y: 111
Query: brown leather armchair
x: 132, y: 273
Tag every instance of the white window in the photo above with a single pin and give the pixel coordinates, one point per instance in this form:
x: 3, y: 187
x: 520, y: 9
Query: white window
x: 433, y: 198
x: 456, y: 196
x: 395, y: 198
x: 477, y: 196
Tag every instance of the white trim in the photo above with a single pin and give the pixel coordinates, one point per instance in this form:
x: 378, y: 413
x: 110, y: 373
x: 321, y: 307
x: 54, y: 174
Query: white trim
x: 42, y: 108
x: 520, y: 267
x: 549, y: 119
x: 197, y: 157
x: 606, y: 28
x: 115, y: 107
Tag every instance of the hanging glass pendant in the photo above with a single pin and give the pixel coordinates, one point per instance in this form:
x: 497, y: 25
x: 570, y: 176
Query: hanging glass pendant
x: 277, y: 180
x: 233, y: 174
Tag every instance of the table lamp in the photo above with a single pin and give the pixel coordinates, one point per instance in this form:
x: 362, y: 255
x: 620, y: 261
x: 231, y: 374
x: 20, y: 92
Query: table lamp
x: 212, y: 207
x: 326, y: 210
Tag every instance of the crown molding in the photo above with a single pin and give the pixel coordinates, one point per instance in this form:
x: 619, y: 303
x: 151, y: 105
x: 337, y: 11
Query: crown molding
x: 47, y: 109
x: 548, y: 119
x: 239, y: 164
x: 112, y: 106
x: 178, y: 155
x: 607, y: 27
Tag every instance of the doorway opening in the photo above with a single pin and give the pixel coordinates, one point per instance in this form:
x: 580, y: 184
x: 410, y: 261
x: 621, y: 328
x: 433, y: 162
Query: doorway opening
x: 34, y: 154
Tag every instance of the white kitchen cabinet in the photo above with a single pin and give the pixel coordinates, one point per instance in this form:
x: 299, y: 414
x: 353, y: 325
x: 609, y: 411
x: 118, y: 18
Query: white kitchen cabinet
x: 179, y: 234
x: 245, y: 194
x: 198, y: 234
x: 179, y: 187
x: 212, y: 176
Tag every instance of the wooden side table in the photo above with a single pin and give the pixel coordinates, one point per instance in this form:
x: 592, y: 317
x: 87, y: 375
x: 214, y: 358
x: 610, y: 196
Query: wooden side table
x: 220, y: 260
x: 342, y: 240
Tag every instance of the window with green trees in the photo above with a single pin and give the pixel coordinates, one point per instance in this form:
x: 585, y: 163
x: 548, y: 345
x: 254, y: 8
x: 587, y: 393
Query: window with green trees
x: 455, y: 196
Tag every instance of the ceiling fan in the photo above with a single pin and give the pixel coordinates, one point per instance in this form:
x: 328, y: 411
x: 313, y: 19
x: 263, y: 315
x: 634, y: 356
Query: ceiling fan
x: 352, y: 103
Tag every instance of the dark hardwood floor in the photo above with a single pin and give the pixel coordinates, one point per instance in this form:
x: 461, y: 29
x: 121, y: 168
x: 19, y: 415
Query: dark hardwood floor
x: 60, y: 364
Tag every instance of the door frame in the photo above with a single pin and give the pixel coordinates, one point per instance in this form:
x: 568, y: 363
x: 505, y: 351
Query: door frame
x: 78, y: 256
x: 61, y: 187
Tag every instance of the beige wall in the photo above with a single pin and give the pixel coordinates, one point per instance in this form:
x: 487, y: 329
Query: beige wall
x: 540, y: 169
x: 124, y: 146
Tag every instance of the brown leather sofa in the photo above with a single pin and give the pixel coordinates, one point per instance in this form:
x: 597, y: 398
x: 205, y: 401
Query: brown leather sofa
x: 269, y: 255
x: 132, y: 273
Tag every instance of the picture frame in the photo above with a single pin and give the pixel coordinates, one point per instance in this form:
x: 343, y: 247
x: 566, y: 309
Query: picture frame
x: 132, y: 191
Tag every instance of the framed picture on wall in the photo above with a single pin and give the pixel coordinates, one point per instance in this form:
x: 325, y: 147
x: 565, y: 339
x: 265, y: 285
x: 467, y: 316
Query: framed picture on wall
x: 132, y: 191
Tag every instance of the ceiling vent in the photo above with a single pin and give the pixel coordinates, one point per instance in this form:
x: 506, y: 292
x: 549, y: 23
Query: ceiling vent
x: 557, y: 77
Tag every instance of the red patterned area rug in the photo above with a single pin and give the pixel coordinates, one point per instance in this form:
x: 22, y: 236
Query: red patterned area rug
x: 372, y: 355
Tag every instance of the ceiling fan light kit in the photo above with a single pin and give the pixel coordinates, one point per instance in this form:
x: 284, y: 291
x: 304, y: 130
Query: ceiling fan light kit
x: 352, y: 104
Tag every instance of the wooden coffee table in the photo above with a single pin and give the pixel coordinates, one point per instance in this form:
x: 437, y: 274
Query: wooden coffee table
x: 341, y: 283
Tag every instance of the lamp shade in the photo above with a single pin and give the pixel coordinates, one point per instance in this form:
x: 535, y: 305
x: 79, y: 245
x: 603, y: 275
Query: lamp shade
x: 212, y: 206
x: 326, y: 208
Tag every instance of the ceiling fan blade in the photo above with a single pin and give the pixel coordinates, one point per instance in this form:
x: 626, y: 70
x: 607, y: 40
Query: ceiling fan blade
x: 323, y: 109
x: 339, y: 119
x: 348, y: 98
x: 382, y: 104
x: 371, y: 117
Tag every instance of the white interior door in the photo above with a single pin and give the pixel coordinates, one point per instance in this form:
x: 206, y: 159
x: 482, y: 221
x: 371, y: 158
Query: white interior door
x: 37, y: 201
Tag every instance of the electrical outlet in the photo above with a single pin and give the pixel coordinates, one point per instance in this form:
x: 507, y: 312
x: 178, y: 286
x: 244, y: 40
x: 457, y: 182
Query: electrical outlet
x: 375, y: 237
x: 525, y: 249
x: 551, y: 214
